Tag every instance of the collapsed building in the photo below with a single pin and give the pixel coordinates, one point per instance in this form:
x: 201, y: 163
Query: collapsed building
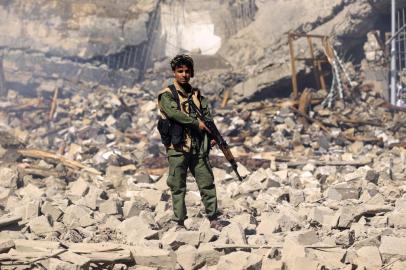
x: 83, y: 171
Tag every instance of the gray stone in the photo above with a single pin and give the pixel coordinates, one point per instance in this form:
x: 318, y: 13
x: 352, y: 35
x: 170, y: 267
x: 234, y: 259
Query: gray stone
x: 372, y: 176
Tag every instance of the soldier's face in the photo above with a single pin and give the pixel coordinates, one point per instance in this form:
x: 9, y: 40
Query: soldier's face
x: 182, y: 74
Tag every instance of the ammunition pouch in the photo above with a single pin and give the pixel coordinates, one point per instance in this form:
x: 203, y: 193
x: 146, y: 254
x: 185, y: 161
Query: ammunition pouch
x: 164, y: 129
x: 171, y: 132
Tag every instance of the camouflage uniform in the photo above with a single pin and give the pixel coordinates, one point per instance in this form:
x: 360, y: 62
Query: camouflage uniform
x: 192, y: 154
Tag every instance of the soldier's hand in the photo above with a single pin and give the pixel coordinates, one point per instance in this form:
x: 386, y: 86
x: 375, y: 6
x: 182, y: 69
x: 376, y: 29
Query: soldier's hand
x: 203, y: 127
x: 212, y: 143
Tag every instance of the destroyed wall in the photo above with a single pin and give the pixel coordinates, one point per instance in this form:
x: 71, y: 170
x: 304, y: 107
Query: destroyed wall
x: 74, y: 44
x: 268, y: 62
x: 79, y: 45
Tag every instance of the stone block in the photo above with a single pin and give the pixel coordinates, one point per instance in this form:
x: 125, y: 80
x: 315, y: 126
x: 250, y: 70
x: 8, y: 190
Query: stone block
x: 391, y: 245
x: 8, y: 177
x: 269, y: 264
x: 79, y: 188
x: 303, y: 263
x: 51, y: 210
x: 207, y: 253
x: 397, y: 220
x: 268, y: 224
x: 134, y: 207
x: 339, y: 193
x: 187, y: 257
x: 115, y: 175
x: 110, y: 207
x: 154, y: 257
x: 136, y: 229
x: 207, y: 234
x: 77, y: 216
x: 372, y: 176
x: 331, y: 259
x: 31, y: 192
x: 40, y: 225
x: 240, y: 260
x: 56, y: 264
x: 368, y: 257
x: 175, y: 238
x: 234, y: 233
x: 6, y: 245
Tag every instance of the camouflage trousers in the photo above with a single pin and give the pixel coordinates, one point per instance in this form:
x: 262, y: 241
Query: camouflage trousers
x: 179, y: 163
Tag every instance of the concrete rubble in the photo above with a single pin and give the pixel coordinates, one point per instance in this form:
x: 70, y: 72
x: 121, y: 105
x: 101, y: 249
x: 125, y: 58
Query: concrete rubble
x: 83, y: 172
x: 302, y: 205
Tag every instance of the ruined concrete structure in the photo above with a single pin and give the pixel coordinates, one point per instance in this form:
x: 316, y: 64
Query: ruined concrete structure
x: 80, y: 44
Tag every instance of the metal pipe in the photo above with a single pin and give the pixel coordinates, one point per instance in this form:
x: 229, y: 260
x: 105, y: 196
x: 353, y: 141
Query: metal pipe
x: 393, y: 56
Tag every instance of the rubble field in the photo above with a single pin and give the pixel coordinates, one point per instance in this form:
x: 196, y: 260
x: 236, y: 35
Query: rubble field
x: 83, y: 185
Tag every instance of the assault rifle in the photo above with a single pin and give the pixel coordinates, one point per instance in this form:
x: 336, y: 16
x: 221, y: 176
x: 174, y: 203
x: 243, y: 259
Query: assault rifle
x: 215, y: 134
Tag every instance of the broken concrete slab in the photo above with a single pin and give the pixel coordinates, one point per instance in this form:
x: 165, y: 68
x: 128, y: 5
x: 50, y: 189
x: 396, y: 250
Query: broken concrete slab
x: 153, y: 257
x: 391, y: 245
x: 240, y: 260
x: 176, y: 238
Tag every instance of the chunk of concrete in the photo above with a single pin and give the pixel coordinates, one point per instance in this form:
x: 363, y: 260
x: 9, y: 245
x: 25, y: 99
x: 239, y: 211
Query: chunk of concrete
x: 40, y: 225
x: 270, y: 264
x: 391, y: 245
x: 134, y: 206
x: 8, y: 177
x: 77, y: 216
x: 54, y: 212
x: 136, y: 229
x: 207, y: 234
x: 339, y: 193
x: 368, y: 257
x: 208, y: 254
x: 79, y: 188
x: 303, y: 263
x: 323, y: 216
x: 331, y: 259
x: 56, y: 264
x: 397, y: 220
x: 110, y: 207
x: 32, y: 192
x: 240, y: 260
x: 153, y: 257
x: 268, y: 224
x: 187, y: 257
x: 6, y: 245
x: 175, y: 238
x: 234, y: 233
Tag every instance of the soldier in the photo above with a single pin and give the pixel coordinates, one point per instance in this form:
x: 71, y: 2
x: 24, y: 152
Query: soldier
x: 188, y: 143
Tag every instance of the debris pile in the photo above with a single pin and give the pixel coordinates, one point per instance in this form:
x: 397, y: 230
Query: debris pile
x: 83, y: 185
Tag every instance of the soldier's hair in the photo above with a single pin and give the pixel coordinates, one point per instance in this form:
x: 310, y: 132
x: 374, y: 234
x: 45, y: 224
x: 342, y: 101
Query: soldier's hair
x: 182, y: 59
